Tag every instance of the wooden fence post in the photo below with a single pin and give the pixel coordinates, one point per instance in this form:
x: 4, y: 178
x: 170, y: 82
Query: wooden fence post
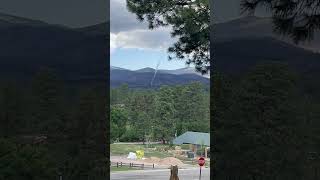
x: 174, y: 173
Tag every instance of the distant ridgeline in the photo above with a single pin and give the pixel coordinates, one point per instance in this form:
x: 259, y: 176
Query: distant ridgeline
x: 255, y: 43
x: 75, y: 55
x: 146, y: 77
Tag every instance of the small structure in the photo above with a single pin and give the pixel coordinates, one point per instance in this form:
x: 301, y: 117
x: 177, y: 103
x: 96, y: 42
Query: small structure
x: 195, y: 139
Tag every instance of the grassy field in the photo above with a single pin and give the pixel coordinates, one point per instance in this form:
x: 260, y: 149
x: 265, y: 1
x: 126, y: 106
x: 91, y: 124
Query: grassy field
x: 124, y: 149
x: 157, y: 150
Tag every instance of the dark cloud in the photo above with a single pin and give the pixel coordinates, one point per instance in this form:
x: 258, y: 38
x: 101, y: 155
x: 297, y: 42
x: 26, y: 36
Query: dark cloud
x: 128, y: 32
x: 77, y: 13
x: 121, y: 19
x: 74, y: 13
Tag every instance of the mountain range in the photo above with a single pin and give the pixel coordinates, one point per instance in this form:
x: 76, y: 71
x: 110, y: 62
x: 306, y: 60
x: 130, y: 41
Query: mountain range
x: 76, y: 54
x: 151, y: 78
x: 241, y: 43
x: 27, y: 46
x: 257, y: 27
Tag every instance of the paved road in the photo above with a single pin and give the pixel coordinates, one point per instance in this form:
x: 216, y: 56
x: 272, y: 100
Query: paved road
x: 146, y: 143
x: 184, y: 174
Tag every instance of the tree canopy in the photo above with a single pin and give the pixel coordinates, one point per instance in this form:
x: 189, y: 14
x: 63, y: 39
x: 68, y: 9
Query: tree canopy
x: 264, y: 124
x: 298, y: 19
x: 157, y: 114
x: 48, y: 127
x: 189, y: 20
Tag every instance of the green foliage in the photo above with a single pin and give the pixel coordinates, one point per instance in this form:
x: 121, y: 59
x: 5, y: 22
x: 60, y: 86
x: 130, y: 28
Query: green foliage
x: 158, y: 114
x: 131, y: 135
x: 194, y: 100
x: 164, y: 113
x: 48, y: 125
x: 88, y: 132
x: 27, y: 162
x: 259, y: 125
x: 119, y: 118
x: 12, y: 112
x: 140, y: 107
x: 116, y: 95
x: 189, y: 20
x: 114, y: 132
x: 297, y: 19
x: 46, y: 96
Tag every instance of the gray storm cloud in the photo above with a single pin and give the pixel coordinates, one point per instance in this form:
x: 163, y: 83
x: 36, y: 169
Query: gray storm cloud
x: 127, y: 32
x: 121, y: 19
x: 73, y: 13
x: 78, y: 13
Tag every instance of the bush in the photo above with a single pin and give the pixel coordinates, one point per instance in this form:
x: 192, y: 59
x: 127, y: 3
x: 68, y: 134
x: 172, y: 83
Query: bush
x: 25, y: 162
x: 130, y: 135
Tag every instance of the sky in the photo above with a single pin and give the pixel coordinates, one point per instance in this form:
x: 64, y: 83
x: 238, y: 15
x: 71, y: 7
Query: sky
x: 72, y: 13
x: 78, y: 13
x: 134, y: 46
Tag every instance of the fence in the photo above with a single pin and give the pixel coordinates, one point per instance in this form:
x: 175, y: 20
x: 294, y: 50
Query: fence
x: 133, y: 165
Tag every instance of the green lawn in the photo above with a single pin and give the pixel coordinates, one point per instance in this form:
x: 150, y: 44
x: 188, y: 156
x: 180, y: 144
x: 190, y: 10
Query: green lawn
x: 157, y: 154
x: 124, y: 149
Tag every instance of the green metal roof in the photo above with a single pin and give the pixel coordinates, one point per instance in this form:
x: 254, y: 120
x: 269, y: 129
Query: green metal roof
x: 189, y: 137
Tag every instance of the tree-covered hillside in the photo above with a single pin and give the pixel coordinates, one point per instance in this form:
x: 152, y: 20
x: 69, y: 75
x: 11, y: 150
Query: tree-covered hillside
x: 142, y: 115
x: 49, y: 128
x: 265, y: 124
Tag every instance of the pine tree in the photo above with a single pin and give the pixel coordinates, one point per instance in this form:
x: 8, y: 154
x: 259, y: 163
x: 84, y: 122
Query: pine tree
x: 297, y: 19
x: 189, y: 20
x: 165, y: 124
x: 12, y: 113
x: 261, y: 135
x: 46, y: 92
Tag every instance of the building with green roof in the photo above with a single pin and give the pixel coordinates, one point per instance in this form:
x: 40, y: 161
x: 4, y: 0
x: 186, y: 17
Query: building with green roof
x: 195, y: 139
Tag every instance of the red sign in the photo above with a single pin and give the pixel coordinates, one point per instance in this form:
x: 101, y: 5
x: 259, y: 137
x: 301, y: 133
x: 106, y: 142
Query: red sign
x: 201, y: 161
